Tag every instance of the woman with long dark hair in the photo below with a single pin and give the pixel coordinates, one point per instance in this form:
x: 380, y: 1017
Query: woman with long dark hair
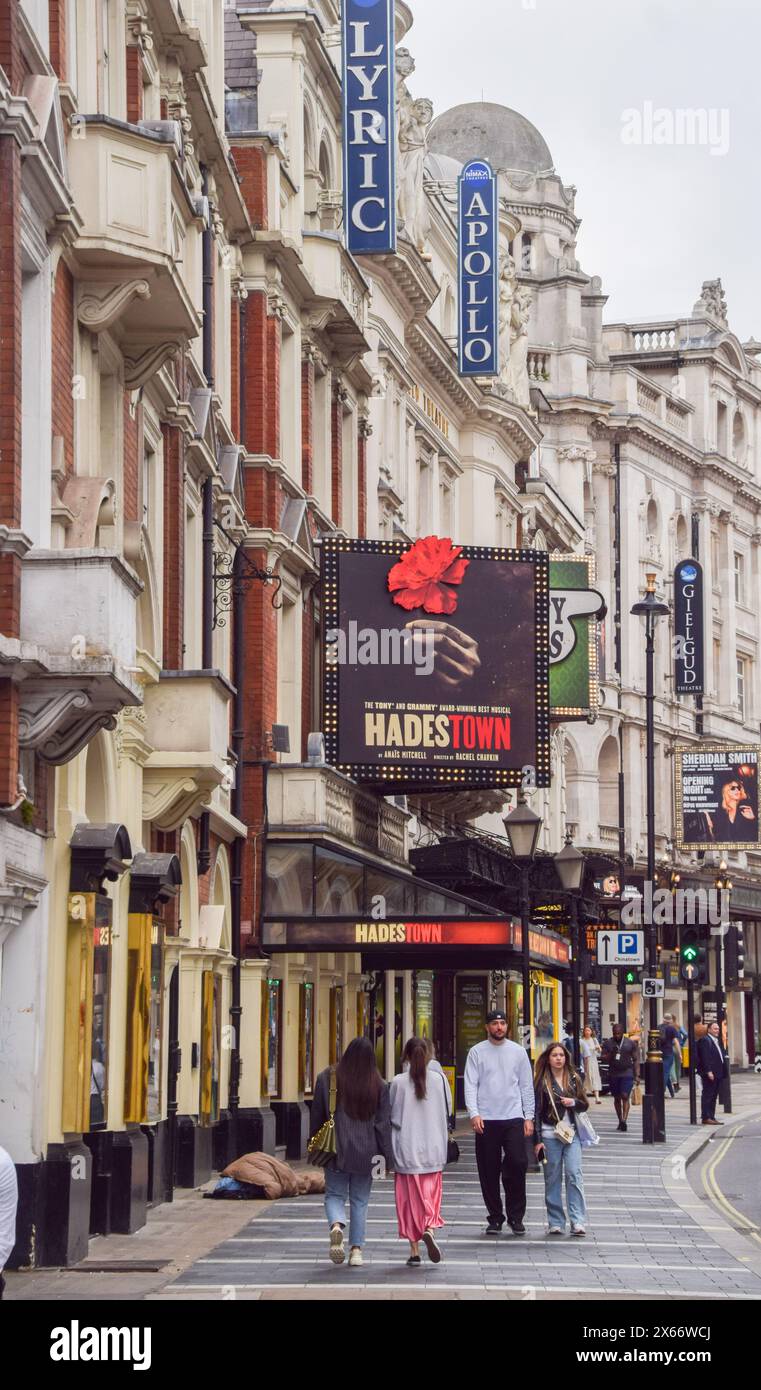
x: 421, y: 1104
x: 559, y: 1098
x: 363, y: 1134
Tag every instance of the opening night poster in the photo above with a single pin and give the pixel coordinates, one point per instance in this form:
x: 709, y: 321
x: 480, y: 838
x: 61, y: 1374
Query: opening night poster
x: 436, y: 663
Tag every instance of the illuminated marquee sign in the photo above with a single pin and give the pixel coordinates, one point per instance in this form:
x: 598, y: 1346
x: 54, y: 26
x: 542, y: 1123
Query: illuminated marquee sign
x: 369, y: 121
x: 436, y: 663
x: 312, y: 935
x: 478, y: 270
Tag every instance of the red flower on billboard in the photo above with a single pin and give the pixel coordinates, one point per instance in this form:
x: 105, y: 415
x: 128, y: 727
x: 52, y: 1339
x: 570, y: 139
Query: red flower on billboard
x: 423, y: 576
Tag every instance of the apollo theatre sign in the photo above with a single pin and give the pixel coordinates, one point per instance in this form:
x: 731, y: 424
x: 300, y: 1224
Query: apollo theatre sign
x: 369, y: 120
x: 478, y: 271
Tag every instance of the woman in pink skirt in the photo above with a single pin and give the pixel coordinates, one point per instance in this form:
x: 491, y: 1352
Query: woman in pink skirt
x: 421, y: 1103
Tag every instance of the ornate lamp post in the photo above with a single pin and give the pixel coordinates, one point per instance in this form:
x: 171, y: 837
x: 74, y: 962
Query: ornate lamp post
x: 522, y: 827
x: 569, y: 864
x: 654, y: 1109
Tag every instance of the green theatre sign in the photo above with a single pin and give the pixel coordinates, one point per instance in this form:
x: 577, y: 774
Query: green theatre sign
x: 576, y: 609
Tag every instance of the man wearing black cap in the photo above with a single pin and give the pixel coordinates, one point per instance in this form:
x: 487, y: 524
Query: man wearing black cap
x: 499, y: 1094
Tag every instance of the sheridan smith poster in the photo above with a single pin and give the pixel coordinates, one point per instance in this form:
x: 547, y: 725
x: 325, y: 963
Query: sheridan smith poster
x: 436, y: 663
x: 717, y: 796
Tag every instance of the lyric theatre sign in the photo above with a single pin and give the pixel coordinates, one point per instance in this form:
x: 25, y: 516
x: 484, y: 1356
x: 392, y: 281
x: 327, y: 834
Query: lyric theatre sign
x: 369, y: 121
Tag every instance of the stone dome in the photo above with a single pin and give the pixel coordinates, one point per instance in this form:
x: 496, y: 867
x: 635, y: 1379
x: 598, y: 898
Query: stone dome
x: 442, y: 168
x: 486, y: 130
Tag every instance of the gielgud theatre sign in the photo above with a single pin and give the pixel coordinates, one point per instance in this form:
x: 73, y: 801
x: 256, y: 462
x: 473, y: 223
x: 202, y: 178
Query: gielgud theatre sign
x: 436, y: 669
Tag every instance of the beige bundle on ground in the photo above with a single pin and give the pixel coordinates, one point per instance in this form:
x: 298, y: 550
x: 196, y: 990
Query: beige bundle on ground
x: 277, y: 1178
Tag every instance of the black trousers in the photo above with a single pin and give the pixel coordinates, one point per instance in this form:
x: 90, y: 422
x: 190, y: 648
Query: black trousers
x: 709, y: 1098
x: 501, y: 1149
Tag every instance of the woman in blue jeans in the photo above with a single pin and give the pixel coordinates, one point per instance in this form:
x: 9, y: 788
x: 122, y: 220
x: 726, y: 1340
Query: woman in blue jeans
x: 559, y: 1097
x: 363, y: 1135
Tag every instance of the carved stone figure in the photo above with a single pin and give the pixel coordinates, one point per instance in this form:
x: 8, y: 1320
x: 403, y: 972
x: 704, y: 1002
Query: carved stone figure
x: 713, y: 302
x: 517, y: 378
x: 414, y: 121
x: 508, y: 281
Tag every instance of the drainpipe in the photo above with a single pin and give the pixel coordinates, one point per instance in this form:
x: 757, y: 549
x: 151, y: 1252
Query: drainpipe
x: 236, y: 1010
x: 207, y: 657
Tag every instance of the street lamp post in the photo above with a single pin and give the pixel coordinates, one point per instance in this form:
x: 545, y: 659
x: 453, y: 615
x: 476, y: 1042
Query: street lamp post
x: 654, y: 1108
x: 724, y: 885
x: 523, y: 826
x: 569, y: 864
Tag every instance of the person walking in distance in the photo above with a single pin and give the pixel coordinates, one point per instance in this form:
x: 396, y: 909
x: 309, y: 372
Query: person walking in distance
x: 668, y: 1035
x: 622, y: 1056
x: 713, y: 1068
x: 590, y: 1051
x: 560, y: 1096
x: 499, y: 1095
x: 363, y: 1133
x: 8, y: 1208
x: 421, y: 1103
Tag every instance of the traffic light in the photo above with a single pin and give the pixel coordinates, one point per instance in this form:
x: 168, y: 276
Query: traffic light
x: 734, y: 955
x: 693, y: 958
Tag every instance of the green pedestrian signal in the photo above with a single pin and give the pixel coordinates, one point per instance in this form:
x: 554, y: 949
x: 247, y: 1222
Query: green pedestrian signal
x: 632, y: 977
x: 690, y: 952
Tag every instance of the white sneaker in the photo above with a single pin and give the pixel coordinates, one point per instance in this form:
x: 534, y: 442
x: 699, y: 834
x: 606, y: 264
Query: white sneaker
x: 355, y: 1257
x: 578, y: 1231
x: 555, y: 1231
x: 337, y: 1252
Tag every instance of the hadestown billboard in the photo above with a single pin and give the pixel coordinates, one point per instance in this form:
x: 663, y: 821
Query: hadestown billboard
x: 436, y: 669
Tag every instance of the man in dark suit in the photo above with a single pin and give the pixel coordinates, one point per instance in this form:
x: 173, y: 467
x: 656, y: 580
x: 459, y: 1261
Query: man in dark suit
x: 713, y: 1067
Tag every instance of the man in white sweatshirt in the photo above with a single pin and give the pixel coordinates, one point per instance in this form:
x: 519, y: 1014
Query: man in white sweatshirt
x: 499, y: 1095
x: 8, y: 1205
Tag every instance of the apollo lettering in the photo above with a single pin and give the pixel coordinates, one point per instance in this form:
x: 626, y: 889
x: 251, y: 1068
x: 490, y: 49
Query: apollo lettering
x: 479, y: 337
x: 370, y: 126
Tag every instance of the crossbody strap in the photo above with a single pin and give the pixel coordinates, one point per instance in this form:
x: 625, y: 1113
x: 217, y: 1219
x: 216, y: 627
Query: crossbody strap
x: 552, y: 1099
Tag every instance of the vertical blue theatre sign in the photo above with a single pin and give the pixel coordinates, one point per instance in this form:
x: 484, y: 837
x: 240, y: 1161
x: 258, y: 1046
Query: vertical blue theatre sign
x: 369, y: 117
x: 478, y: 270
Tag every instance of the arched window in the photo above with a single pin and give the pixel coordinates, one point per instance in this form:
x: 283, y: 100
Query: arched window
x: 326, y: 168
x: 607, y: 768
x: 653, y: 524
x: 572, y: 790
x: 682, y: 538
x: 527, y: 253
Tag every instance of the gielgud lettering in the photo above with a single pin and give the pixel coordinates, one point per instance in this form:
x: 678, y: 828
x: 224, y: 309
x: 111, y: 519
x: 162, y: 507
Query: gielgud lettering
x: 477, y: 732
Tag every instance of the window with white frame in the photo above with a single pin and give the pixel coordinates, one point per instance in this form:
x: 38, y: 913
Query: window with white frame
x: 740, y: 596
x: 742, y: 687
x: 716, y: 667
x: 424, y: 491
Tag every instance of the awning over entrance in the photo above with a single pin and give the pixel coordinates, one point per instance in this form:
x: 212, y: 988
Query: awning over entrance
x: 319, y: 899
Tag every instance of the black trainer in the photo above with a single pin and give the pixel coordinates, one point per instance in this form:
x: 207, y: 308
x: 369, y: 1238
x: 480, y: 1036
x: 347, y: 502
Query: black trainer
x: 493, y: 1229
x: 517, y: 1228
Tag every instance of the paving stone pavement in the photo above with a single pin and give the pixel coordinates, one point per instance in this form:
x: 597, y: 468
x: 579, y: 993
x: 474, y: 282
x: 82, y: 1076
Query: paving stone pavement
x: 641, y: 1241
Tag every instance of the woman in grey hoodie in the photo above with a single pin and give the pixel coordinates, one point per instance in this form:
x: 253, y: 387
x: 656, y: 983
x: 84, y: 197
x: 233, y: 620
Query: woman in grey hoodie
x: 421, y: 1103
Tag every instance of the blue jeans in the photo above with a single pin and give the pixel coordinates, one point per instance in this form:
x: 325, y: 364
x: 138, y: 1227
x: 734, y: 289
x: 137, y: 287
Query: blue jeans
x: 563, y: 1158
x: 668, y: 1078
x: 355, y: 1186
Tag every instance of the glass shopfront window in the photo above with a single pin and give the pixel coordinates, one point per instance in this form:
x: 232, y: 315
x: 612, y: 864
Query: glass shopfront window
x: 336, y: 1041
x: 155, y: 1016
x: 99, y: 1036
x: 339, y: 883
x: 288, y: 886
x: 271, y: 1033
x: 306, y: 1038
x: 211, y: 1047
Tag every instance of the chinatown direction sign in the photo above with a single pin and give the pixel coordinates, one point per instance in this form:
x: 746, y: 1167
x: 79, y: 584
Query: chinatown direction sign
x: 369, y: 125
x: 689, y: 654
x: 478, y: 259
x: 620, y: 948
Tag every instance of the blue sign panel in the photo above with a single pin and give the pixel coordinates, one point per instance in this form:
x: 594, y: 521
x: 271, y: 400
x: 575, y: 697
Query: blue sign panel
x: 369, y: 117
x: 689, y: 649
x: 478, y: 271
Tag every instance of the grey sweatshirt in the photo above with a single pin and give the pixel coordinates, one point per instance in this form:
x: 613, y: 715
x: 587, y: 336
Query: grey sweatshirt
x: 498, y: 1082
x: 419, y: 1127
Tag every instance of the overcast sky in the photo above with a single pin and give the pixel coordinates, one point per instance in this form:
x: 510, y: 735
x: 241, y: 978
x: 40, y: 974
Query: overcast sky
x: 657, y: 219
